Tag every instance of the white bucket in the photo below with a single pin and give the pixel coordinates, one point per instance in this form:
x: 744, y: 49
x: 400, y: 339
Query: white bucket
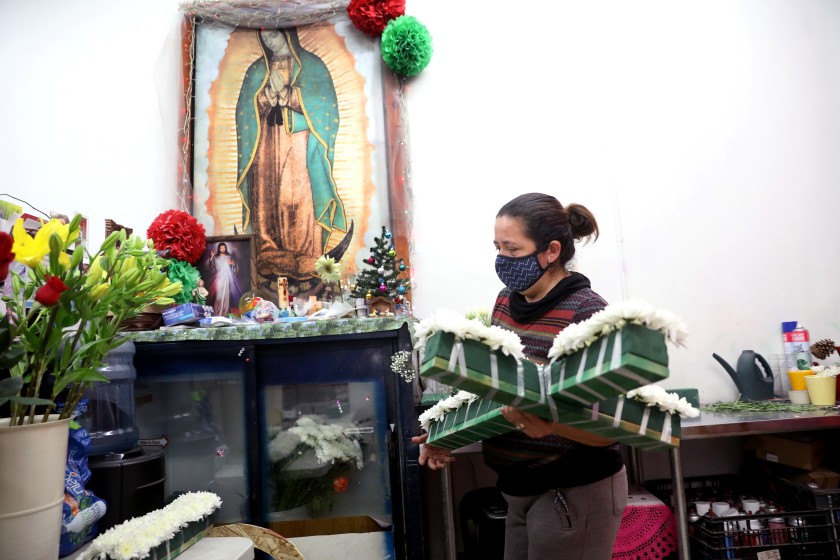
x: 32, y: 464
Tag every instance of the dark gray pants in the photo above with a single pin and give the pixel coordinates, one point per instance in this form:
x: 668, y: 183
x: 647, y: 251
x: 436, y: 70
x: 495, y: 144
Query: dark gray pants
x: 578, y: 523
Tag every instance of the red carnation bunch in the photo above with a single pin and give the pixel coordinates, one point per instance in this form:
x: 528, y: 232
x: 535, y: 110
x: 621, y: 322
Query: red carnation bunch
x: 371, y: 16
x: 180, y: 234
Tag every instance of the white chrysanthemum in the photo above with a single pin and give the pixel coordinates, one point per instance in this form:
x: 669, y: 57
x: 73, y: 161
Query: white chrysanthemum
x: 329, y: 441
x: 438, y: 411
x: 614, y: 317
x: 282, y: 445
x: 654, y: 395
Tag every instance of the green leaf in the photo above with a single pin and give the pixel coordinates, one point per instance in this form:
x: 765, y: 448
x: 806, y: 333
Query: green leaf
x: 31, y: 401
x: 12, y: 356
x: 10, y: 387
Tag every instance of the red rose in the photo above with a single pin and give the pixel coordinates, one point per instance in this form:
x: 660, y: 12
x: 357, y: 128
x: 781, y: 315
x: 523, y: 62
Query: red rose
x: 371, y: 16
x: 178, y: 233
x: 6, y: 254
x: 49, y: 293
x: 340, y: 484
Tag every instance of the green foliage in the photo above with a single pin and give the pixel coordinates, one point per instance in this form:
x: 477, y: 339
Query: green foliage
x: 69, y: 339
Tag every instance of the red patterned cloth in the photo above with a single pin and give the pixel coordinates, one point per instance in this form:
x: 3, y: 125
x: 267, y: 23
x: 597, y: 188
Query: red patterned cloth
x: 648, y: 529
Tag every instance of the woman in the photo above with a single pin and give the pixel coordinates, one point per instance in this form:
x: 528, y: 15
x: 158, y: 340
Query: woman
x: 225, y: 287
x: 566, y: 489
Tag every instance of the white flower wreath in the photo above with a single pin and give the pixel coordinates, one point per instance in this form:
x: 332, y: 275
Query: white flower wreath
x: 136, y: 537
x: 495, y: 337
x: 614, y: 317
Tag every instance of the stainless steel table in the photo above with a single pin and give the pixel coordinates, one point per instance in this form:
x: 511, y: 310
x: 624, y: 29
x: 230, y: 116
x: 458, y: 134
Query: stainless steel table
x: 710, y: 425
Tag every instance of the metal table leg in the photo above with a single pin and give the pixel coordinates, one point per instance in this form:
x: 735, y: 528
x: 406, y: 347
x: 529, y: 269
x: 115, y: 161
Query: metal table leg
x: 679, y: 503
x: 450, y: 549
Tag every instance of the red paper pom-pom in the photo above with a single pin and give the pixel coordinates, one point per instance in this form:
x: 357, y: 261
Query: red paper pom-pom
x: 371, y: 16
x: 180, y: 234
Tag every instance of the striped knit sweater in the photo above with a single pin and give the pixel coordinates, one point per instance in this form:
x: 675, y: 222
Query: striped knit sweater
x: 528, y: 466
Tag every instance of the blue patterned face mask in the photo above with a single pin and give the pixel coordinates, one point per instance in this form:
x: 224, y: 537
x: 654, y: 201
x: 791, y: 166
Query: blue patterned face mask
x: 519, y: 273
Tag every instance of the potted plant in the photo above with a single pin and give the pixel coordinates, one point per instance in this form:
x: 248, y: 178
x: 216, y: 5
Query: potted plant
x: 61, y: 323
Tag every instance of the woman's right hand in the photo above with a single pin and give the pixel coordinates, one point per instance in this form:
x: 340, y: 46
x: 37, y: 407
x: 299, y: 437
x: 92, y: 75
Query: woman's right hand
x: 432, y: 456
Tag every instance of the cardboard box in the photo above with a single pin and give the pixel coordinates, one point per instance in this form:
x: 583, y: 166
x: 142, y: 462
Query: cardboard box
x: 612, y: 365
x: 801, y: 450
x: 823, y: 478
x: 183, y: 314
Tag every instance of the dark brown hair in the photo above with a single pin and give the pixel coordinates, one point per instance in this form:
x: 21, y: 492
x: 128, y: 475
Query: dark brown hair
x: 544, y: 220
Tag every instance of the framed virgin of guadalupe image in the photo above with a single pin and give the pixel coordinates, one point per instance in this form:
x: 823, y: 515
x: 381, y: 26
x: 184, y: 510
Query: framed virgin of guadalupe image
x: 295, y: 143
x: 227, y: 272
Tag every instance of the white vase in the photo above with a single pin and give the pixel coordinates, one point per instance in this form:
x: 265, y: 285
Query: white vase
x: 32, y: 464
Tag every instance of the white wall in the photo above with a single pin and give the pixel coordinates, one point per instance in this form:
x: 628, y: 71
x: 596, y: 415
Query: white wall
x: 702, y: 134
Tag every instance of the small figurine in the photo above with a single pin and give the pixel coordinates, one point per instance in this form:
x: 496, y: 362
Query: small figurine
x: 200, y: 293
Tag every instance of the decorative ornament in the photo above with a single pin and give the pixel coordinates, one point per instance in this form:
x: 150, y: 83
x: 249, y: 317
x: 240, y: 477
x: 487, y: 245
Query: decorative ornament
x: 401, y: 290
x: 370, y: 260
x: 824, y: 348
x: 406, y: 46
x: 387, y: 235
x: 371, y: 16
x: 392, y: 253
x: 402, y: 267
x: 383, y: 288
x: 398, y: 299
x: 179, y: 235
x: 187, y: 275
x: 401, y: 364
x: 368, y: 295
x: 381, y: 270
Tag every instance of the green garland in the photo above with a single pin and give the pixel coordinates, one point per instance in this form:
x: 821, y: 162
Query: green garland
x: 406, y: 46
x: 757, y: 406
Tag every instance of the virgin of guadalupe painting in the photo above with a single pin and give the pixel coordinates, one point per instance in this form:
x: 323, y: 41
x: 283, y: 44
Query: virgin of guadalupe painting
x: 286, y: 125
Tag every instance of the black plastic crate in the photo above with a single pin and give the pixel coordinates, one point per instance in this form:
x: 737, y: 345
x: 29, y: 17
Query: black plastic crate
x: 802, y: 496
x: 718, y: 484
x: 785, y: 535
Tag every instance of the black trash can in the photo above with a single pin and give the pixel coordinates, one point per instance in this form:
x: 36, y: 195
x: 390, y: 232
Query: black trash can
x: 482, y: 514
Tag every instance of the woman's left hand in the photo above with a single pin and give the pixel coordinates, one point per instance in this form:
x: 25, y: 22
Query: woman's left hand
x: 529, y: 424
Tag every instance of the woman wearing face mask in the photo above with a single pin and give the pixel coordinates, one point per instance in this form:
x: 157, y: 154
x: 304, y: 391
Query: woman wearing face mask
x: 566, y: 489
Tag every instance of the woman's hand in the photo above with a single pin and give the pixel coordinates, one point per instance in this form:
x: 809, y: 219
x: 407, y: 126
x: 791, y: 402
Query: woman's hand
x: 529, y: 424
x: 537, y: 427
x: 432, y: 456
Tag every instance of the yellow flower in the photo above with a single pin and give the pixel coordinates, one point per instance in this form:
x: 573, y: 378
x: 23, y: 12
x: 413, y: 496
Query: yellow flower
x: 32, y: 250
x: 328, y: 269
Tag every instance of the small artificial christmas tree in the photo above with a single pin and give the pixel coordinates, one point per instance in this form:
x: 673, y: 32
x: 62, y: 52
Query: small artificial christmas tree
x: 383, y: 277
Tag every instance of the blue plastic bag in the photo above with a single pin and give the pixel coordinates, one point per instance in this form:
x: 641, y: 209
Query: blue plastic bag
x: 81, y: 509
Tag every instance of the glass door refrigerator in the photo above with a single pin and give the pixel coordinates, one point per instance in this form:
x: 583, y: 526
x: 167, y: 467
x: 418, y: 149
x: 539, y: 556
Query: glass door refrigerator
x: 307, y: 435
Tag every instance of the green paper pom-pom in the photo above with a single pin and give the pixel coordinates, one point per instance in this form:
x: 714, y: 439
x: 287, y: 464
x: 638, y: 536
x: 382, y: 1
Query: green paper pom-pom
x: 187, y: 275
x: 406, y: 46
